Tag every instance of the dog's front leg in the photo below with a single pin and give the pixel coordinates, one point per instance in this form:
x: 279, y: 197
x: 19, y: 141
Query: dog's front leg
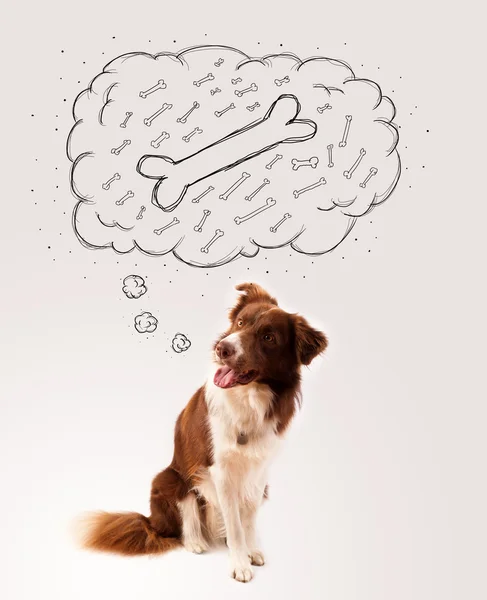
x: 249, y: 518
x: 240, y: 566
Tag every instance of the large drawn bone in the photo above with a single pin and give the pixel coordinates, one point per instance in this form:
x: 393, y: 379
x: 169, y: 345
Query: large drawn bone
x: 188, y: 136
x: 279, y: 125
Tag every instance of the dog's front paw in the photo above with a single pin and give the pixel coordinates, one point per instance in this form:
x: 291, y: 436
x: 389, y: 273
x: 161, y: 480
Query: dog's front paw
x: 196, y: 546
x: 240, y: 569
x: 256, y: 558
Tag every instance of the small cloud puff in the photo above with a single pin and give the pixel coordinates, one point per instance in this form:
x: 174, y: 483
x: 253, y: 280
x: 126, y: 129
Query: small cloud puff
x: 134, y: 286
x: 180, y: 343
x: 145, y: 323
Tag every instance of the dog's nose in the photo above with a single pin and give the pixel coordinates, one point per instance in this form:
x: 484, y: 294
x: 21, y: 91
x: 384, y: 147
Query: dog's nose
x: 224, y: 349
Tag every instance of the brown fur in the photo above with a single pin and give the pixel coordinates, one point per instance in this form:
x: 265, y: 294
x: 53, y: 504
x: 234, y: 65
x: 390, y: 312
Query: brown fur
x: 278, y: 363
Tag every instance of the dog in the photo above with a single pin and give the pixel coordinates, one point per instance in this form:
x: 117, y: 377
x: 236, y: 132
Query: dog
x: 224, y: 440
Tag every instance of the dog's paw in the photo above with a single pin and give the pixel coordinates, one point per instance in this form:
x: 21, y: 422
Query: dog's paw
x: 196, y: 546
x: 243, y: 574
x: 257, y: 558
x: 240, y: 569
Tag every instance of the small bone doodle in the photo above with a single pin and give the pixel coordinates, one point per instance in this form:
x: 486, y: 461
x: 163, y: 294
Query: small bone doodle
x: 310, y: 162
x: 235, y: 81
x: 219, y: 113
x: 157, y: 142
x: 217, y: 90
x: 343, y: 143
x: 107, y: 184
x: 160, y: 85
x: 184, y: 118
x: 348, y: 174
x: 298, y: 193
x: 275, y: 227
x: 233, y: 187
x: 256, y: 191
x: 268, y: 204
x: 253, y: 106
x: 187, y: 138
x: 273, y: 161
x: 219, y: 62
x: 117, y: 151
x: 199, y: 228
x: 321, y: 109
x: 123, y: 124
x: 218, y: 234
x: 175, y: 221
x: 279, y: 82
x: 209, y: 189
x: 373, y: 171
x: 200, y: 82
x: 330, y: 156
x: 141, y: 213
x: 148, y: 121
x: 121, y: 201
x: 252, y: 88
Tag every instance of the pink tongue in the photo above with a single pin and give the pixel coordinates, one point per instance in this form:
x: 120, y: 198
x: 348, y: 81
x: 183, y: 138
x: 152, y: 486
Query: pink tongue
x: 225, y: 377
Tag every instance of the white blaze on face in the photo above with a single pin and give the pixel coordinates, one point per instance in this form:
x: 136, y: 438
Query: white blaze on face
x: 235, y: 342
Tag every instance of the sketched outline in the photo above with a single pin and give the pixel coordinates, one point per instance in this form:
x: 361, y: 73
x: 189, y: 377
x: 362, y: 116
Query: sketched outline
x: 264, y: 60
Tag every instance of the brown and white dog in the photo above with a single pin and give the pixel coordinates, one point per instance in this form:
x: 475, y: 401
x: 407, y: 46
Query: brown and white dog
x: 224, y: 441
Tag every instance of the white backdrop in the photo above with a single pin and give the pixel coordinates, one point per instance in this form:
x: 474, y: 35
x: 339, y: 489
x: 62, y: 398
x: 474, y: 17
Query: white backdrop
x: 380, y: 490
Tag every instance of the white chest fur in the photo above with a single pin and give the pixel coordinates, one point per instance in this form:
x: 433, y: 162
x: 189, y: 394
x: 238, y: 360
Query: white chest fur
x: 242, y: 467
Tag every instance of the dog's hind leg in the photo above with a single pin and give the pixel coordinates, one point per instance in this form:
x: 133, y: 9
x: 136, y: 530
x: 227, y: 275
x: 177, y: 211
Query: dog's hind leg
x: 192, y: 534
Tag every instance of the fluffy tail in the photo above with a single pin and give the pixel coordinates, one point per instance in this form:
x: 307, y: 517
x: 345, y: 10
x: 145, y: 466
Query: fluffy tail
x: 129, y: 534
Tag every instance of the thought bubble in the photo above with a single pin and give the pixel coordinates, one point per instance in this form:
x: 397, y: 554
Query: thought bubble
x: 211, y: 154
x: 134, y: 286
x: 180, y: 343
x: 145, y: 323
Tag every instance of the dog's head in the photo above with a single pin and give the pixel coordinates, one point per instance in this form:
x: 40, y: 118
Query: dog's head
x: 264, y: 343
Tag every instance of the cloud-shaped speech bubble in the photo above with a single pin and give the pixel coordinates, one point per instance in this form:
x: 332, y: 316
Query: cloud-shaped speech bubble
x: 180, y: 343
x: 211, y: 154
x: 134, y: 286
x: 145, y: 323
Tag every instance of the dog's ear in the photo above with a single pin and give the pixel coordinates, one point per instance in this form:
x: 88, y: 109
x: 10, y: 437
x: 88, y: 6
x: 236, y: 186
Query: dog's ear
x: 309, y: 341
x: 252, y: 292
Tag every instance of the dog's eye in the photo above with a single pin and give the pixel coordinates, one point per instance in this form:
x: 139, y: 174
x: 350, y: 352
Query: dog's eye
x: 268, y: 337
x: 240, y: 323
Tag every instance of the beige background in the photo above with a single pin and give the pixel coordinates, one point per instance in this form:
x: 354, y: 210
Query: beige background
x: 380, y: 491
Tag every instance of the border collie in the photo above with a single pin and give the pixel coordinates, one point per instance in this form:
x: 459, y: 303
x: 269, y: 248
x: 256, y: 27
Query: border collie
x: 224, y: 441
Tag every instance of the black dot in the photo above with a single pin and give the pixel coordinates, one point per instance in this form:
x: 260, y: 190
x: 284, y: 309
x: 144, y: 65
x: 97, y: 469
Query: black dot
x: 427, y: 131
